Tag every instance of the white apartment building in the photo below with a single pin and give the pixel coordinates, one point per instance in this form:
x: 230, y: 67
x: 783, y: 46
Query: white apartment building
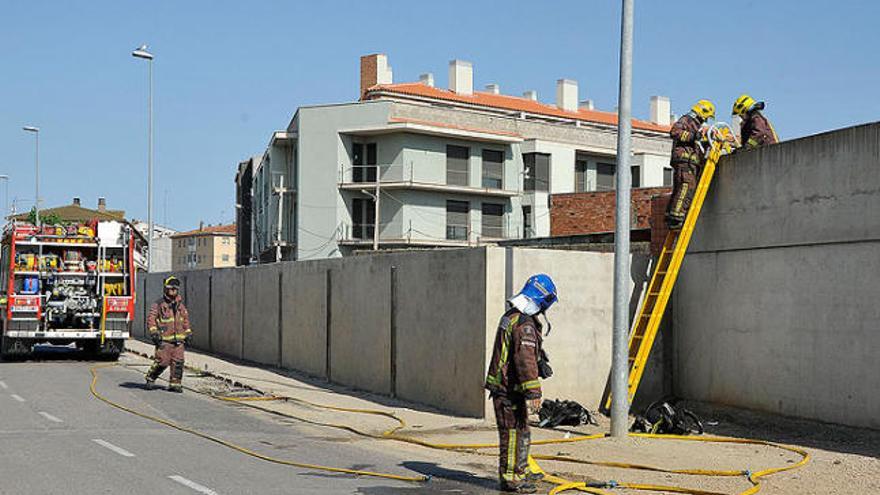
x: 450, y: 167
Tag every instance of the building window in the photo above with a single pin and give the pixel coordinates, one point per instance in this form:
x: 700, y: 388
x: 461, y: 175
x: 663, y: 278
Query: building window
x: 581, y: 164
x: 493, y: 220
x: 225, y: 257
x: 667, y: 176
x: 493, y: 169
x: 225, y: 241
x: 537, y: 168
x: 636, y: 176
x: 457, y: 220
x: 457, y: 158
x: 363, y: 218
x: 605, y: 176
x: 527, y: 222
x: 363, y: 160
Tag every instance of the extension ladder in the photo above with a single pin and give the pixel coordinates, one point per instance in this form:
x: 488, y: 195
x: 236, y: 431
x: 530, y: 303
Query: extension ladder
x: 650, y: 315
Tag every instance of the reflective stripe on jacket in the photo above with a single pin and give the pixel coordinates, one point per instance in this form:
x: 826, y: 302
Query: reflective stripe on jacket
x: 169, y: 319
x: 513, y: 369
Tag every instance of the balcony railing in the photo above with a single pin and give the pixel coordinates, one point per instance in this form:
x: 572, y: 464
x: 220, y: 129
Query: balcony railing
x: 402, y: 176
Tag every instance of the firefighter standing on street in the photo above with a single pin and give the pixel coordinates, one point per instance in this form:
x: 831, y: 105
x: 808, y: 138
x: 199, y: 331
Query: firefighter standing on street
x: 687, y: 160
x: 168, y: 325
x: 755, y: 129
x: 513, y: 380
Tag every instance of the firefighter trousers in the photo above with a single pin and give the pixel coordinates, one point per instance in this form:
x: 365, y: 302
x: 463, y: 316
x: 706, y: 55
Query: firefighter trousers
x: 511, y: 418
x: 685, y: 177
x: 168, y: 354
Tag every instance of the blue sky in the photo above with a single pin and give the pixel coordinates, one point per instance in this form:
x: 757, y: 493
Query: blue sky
x: 227, y: 73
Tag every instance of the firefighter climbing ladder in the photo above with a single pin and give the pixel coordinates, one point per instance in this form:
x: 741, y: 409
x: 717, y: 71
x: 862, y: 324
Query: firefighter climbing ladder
x: 645, y: 327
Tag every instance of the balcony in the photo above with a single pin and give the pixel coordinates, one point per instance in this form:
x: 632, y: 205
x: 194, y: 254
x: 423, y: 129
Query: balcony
x: 402, y: 177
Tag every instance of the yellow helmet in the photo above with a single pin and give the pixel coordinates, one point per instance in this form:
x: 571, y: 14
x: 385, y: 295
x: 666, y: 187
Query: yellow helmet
x: 743, y: 104
x: 705, y: 109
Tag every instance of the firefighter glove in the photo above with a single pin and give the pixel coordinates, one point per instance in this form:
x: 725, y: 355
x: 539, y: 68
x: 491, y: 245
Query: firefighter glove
x: 188, y: 340
x: 156, y: 338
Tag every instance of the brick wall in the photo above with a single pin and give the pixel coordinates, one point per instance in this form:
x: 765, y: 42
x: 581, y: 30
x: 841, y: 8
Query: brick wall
x: 592, y: 212
x: 658, y: 222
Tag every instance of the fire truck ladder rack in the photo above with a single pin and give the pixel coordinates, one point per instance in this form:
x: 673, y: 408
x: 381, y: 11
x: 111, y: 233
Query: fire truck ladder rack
x: 653, y: 305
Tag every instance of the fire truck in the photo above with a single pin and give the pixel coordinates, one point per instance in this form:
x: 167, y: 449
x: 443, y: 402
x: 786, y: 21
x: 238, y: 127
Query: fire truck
x: 67, y: 284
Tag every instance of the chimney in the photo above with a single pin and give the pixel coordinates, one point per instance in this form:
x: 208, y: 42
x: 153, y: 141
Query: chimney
x: 374, y: 70
x: 461, y: 77
x: 531, y: 95
x: 493, y: 88
x: 427, y: 79
x: 76, y: 201
x: 661, y: 110
x: 567, y: 95
x: 201, y: 225
x: 102, y: 204
x: 586, y: 105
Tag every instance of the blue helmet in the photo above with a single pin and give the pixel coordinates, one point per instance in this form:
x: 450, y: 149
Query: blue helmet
x: 539, y: 293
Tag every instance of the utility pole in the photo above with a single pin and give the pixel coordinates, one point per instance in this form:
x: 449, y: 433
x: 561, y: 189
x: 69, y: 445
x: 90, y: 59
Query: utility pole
x: 280, y: 192
x: 619, y: 362
x: 142, y: 53
x: 6, y: 195
x: 378, y: 210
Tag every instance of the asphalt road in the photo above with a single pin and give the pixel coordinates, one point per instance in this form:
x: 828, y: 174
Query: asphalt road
x: 56, y: 438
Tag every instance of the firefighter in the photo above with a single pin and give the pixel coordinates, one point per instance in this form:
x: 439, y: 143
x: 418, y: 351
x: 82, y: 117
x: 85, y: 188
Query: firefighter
x: 168, y: 325
x: 755, y: 129
x: 513, y: 380
x: 687, y: 160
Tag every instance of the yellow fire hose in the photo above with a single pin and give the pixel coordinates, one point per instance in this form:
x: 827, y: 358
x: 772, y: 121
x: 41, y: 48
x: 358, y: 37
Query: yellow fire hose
x: 563, y: 485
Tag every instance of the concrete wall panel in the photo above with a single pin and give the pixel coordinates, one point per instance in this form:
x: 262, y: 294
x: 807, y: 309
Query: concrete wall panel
x: 226, y: 311
x: 304, y: 317
x: 138, y: 324
x: 196, y: 297
x: 360, y: 338
x: 261, y: 331
x: 440, y: 329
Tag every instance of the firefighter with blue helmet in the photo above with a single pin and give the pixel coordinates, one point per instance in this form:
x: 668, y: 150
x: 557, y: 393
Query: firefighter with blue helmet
x: 517, y: 365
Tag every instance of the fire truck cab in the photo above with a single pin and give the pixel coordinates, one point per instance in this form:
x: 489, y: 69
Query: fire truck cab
x: 64, y: 284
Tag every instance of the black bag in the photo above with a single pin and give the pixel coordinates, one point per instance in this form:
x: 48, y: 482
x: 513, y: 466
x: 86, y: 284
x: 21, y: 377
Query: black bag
x: 668, y: 418
x: 563, y: 412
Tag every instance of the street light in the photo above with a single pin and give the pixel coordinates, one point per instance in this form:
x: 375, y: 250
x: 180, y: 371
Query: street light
x: 6, y: 196
x: 146, y: 55
x: 36, y: 131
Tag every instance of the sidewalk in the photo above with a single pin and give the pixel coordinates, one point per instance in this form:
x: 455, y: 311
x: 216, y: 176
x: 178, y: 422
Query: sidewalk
x: 838, y: 452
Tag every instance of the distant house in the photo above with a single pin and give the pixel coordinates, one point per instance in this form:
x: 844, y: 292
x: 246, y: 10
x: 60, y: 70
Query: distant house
x: 206, y: 247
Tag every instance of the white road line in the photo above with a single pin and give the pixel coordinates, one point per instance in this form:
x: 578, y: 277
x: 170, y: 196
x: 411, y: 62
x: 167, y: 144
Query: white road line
x: 17, y: 397
x: 50, y: 417
x: 192, y: 484
x: 3, y: 385
x: 108, y: 445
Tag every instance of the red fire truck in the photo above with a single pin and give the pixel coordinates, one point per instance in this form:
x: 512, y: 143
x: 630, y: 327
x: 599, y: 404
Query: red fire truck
x: 66, y: 284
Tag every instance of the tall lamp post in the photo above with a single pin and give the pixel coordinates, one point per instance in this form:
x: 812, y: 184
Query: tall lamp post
x: 146, y: 55
x: 5, y: 196
x: 36, y: 131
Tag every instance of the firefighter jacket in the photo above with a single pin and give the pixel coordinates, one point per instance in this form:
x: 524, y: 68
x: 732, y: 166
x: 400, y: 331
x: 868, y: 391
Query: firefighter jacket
x: 685, y: 135
x: 169, y: 319
x: 756, y: 131
x: 513, y: 370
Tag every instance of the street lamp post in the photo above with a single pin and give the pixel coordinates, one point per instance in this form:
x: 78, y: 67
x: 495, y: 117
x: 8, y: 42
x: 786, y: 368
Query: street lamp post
x: 146, y: 55
x: 36, y: 131
x: 5, y: 196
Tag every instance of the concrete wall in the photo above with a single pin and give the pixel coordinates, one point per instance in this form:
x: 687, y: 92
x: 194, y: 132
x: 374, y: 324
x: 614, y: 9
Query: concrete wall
x: 776, y: 305
x: 418, y: 325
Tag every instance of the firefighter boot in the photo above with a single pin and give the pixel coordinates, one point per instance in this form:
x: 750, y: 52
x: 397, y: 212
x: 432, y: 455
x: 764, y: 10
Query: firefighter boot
x: 174, y: 383
x: 518, y: 486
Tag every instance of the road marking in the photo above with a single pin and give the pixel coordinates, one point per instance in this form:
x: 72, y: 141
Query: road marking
x: 17, y: 397
x: 108, y: 445
x: 50, y: 417
x: 3, y: 385
x: 192, y: 484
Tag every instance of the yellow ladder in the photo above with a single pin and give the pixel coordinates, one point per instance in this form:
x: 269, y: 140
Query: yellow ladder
x: 645, y: 327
